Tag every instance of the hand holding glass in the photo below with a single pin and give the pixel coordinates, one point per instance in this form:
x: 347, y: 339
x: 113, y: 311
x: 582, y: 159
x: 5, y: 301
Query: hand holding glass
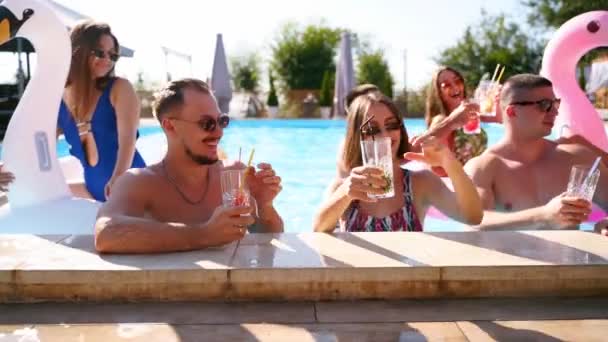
x: 580, y: 185
x: 378, y: 153
x: 235, y: 192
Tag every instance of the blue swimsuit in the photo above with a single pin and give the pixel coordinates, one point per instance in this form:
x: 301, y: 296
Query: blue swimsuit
x: 105, y: 133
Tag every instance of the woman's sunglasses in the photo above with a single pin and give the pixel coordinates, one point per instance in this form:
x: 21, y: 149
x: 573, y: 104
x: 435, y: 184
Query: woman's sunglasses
x: 102, y: 54
x: 544, y: 105
x: 208, y: 123
x: 367, y: 129
x: 451, y: 85
x: 373, y: 130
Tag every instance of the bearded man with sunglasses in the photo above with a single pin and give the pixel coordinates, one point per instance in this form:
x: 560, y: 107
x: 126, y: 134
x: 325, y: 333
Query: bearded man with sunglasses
x: 176, y: 205
x: 523, y: 178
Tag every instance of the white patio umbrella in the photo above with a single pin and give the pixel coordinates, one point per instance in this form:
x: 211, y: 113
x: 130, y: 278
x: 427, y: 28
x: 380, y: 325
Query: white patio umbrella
x: 220, y: 77
x: 345, y: 75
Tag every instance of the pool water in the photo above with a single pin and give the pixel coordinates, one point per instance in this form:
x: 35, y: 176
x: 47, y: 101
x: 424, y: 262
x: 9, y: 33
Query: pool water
x: 303, y: 152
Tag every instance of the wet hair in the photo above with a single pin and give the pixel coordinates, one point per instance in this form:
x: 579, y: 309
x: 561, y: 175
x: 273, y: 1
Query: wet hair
x: 357, y: 111
x: 515, y: 85
x: 434, y: 104
x: 171, y: 96
x: 85, y: 38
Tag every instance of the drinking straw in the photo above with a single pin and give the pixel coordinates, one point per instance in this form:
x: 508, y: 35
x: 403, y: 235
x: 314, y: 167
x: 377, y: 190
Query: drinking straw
x: 239, y: 154
x: 375, y: 151
x: 500, y: 75
x: 250, y: 157
x: 596, y: 163
x: 495, y: 72
x: 248, y: 165
x: 367, y: 122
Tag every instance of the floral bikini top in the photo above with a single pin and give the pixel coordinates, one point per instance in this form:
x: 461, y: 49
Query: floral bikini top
x: 404, y: 219
x: 466, y: 146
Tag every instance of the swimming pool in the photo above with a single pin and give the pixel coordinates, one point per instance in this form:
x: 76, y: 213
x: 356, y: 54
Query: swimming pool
x: 303, y: 152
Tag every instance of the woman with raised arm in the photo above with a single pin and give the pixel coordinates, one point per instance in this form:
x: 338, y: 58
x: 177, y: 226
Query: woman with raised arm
x: 347, y: 199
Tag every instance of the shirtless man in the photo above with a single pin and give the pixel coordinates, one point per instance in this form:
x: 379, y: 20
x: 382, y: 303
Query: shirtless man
x: 522, y: 179
x: 176, y: 205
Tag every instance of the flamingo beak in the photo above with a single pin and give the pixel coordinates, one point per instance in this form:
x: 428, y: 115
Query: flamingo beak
x: 5, y: 31
x: 10, y: 24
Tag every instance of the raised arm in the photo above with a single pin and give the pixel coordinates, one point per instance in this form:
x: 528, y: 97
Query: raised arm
x: 265, y: 185
x: 463, y: 202
x: 127, y: 106
x: 122, y: 227
x: 442, y: 126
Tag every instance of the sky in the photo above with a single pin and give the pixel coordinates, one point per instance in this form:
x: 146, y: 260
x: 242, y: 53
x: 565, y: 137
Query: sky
x: 413, y: 28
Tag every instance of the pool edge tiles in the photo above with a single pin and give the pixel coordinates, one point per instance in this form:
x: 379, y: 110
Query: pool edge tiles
x: 71, y: 270
x: 318, y: 266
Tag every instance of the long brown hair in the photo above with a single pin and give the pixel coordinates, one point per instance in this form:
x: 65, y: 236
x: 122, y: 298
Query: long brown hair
x: 356, y: 113
x: 434, y: 104
x: 85, y: 37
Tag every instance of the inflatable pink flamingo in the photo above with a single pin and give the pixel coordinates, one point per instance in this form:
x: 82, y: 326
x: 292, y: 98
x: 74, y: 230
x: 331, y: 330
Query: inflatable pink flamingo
x: 572, y: 41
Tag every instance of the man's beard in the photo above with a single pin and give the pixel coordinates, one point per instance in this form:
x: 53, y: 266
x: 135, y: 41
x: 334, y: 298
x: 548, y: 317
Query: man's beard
x: 200, y: 160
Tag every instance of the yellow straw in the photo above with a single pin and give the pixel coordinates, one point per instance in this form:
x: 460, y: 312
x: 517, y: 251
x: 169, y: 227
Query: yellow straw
x: 500, y: 75
x: 250, y: 157
x: 248, y: 165
x: 495, y: 72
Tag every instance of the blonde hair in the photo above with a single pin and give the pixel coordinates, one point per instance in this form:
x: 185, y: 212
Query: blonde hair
x: 434, y: 103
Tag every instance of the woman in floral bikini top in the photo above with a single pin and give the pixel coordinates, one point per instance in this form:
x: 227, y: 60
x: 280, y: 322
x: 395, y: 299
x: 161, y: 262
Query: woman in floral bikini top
x: 347, y: 202
x: 446, y: 106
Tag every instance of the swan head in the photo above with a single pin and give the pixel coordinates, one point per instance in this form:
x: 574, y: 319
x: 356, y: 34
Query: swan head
x: 13, y: 15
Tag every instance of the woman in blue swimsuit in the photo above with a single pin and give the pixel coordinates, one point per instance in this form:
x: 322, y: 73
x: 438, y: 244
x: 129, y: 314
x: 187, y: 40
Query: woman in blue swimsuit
x: 99, y: 114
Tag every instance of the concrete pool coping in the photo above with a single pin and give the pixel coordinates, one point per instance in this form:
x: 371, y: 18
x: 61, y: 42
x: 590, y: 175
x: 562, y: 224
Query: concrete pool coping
x: 528, y: 319
x: 312, y: 267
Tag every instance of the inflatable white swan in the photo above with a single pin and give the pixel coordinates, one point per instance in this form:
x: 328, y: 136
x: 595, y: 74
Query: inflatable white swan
x: 39, y: 198
x: 572, y: 41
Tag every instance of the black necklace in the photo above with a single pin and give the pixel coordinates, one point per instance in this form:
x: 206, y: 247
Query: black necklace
x: 179, y: 191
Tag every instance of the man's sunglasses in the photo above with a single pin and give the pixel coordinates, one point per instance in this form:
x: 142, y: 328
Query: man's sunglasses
x: 544, y: 105
x: 102, y: 54
x: 208, y: 123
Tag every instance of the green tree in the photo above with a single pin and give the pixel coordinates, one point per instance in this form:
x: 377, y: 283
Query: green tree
x: 273, y: 100
x: 553, y: 13
x: 373, y: 68
x: 326, y: 93
x: 301, y: 56
x: 494, y: 40
x: 246, y: 71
